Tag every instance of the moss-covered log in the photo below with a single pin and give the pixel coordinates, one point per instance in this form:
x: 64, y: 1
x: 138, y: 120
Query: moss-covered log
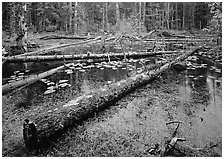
x: 82, y: 56
x: 52, y: 123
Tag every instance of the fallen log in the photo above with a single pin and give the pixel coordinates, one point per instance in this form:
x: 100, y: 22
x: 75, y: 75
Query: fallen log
x: 8, y: 87
x: 82, y: 56
x: 180, y: 40
x: 52, y: 123
x: 46, y: 50
x: 64, y: 37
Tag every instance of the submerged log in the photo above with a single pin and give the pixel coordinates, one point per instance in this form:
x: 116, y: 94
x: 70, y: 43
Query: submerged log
x: 8, y: 87
x: 82, y: 56
x: 52, y: 123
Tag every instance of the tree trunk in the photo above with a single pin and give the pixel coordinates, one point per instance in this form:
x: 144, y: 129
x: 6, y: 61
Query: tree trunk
x: 183, y: 18
x: 143, y: 16
x: 70, y: 17
x: 176, y: 16
x: 103, y: 21
x: 12, y: 19
x: 119, y: 56
x: 117, y: 15
x: 168, y: 14
x: 172, y: 16
x: 192, y: 16
x: 8, y: 87
x: 140, y: 15
x: 22, y: 36
x: 76, y: 17
x: 106, y: 16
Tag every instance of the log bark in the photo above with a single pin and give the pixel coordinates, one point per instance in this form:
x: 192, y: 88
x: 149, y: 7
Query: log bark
x: 8, y: 87
x: 82, y: 57
x: 52, y: 123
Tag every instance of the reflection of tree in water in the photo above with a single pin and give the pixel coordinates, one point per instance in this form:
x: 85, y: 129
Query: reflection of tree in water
x: 200, y: 94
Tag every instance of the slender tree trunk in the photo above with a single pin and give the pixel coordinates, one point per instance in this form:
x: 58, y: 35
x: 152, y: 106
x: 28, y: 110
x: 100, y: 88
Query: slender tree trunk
x: 70, y: 17
x: 183, y: 18
x: 76, y: 17
x: 140, y: 15
x: 12, y: 18
x: 168, y: 15
x: 103, y: 21
x: 117, y: 15
x: 106, y: 15
x: 176, y: 16
x: 36, y: 19
x: 192, y: 16
x: 157, y: 17
x: 172, y: 16
x: 143, y: 16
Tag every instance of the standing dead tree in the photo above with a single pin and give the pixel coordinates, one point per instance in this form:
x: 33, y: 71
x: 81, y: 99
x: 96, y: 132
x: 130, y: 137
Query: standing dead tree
x: 22, y: 35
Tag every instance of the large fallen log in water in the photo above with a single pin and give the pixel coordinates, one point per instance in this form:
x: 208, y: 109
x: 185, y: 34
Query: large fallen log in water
x: 52, y: 123
x: 8, y: 87
x: 82, y: 56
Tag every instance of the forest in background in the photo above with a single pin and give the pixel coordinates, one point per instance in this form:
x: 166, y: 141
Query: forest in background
x: 84, y: 17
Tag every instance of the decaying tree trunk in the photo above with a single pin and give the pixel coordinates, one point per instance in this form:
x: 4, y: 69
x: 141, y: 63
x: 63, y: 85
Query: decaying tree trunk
x: 112, y: 56
x: 52, y: 123
x: 63, y: 37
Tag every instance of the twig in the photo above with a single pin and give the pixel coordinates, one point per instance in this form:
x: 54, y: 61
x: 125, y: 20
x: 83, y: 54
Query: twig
x: 172, y: 122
